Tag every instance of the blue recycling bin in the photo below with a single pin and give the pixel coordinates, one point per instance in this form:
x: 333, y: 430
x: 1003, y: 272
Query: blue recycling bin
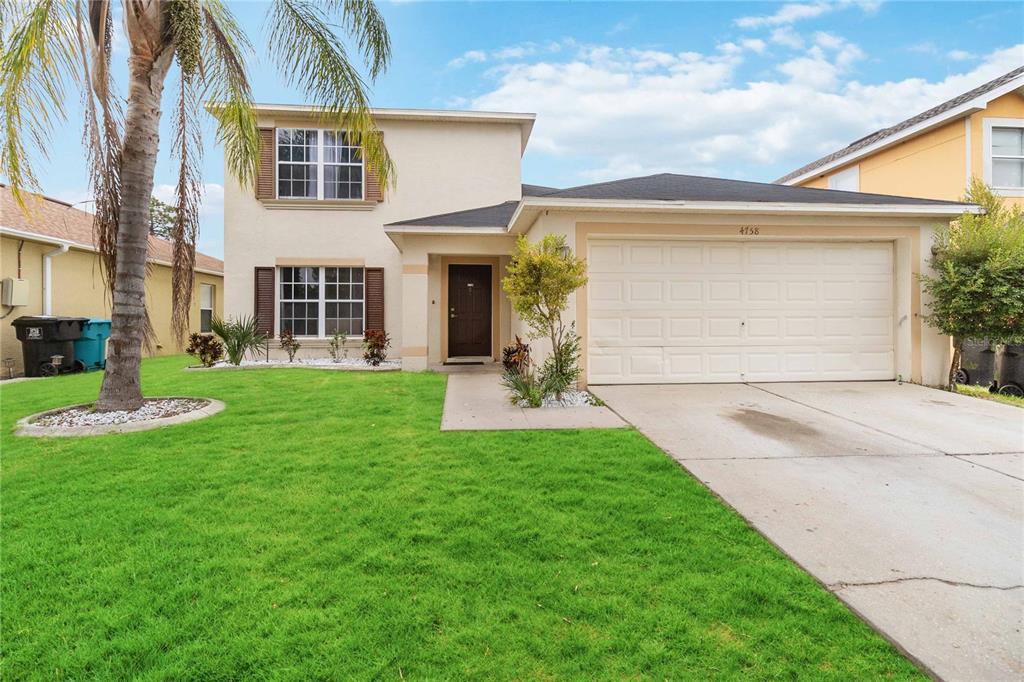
x: 91, y: 348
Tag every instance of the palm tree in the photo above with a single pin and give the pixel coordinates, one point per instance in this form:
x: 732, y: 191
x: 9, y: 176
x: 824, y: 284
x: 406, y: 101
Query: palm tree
x: 51, y: 46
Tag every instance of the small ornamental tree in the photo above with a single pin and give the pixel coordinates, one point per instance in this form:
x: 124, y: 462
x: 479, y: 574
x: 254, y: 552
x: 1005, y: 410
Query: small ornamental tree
x: 977, y: 289
x: 538, y: 282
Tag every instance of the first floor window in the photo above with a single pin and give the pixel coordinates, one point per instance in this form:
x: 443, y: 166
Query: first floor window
x: 1008, y: 157
x: 320, y: 301
x: 206, y: 297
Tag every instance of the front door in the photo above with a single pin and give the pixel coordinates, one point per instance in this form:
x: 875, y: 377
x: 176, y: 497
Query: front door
x: 469, y: 310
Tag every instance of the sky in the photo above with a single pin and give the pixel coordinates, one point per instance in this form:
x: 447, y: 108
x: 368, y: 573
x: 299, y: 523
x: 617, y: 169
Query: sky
x: 729, y: 89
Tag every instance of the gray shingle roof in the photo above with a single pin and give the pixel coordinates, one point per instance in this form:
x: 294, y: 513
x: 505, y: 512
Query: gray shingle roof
x: 537, y: 190
x: 879, y: 135
x: 486, y: 216
x: 673, y: 187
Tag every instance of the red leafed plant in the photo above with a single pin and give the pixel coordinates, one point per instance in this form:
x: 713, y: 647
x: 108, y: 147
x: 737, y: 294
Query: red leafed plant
x: 375, y: 346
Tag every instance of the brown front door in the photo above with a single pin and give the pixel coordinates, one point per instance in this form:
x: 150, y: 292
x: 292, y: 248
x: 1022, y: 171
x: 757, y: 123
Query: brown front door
x: 469, y: 310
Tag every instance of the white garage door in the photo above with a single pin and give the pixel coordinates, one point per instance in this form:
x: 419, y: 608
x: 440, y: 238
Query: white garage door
x: 687, y: 311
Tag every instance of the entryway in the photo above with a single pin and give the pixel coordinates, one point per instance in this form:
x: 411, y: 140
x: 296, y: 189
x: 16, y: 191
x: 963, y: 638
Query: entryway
x: 469, y: 310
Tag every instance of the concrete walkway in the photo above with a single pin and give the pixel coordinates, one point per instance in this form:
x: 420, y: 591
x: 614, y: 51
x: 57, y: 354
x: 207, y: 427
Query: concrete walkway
x: 476, y: 401
x: 906, y: 502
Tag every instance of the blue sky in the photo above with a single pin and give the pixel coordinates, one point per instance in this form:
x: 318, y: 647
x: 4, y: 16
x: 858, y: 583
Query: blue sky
x: 742, y: 90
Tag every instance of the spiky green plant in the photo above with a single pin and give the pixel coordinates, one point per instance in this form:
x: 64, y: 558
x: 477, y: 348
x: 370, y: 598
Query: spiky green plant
x: 50, y: 47
x: 241, y: 337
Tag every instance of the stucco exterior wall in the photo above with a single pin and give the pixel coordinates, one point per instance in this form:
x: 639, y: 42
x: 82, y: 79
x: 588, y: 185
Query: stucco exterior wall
x: 922, y: 355
x: 78, y: 290
x: 937, y: 164
x: 440, y: 166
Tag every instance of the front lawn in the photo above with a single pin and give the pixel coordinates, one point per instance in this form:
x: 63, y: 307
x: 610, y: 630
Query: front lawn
x: 322, y: 527
x: 984, y: 393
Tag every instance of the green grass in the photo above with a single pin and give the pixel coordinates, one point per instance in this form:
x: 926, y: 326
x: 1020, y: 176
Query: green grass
x: 322, y: 527
x: 980, y: 392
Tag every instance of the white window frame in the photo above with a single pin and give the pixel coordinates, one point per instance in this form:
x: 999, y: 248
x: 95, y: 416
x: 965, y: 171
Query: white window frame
x: 987, y: 125
x: 319, y: 166
x: 836, y: 179
x: 213, y: 305
x: 321, y: 301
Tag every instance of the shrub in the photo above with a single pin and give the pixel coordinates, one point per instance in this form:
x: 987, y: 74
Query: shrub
x: 205, y: 347
x: 336, y: 347
x: 240, y: 336
x: 561, y: 369
x: 375, y: 346
x: 289, y: 344
x: 977, y: 291
x: 516, y: 356
x: 523, y: 387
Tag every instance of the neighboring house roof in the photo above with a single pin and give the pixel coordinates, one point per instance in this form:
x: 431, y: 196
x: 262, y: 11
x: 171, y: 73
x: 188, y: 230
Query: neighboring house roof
x: 961, y: 105
x: 52, y: 219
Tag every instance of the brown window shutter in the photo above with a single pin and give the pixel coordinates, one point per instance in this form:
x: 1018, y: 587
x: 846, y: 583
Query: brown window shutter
x: 263, y: 305
x: 265, y: 176
x: 374, y: 191
x: 374, y: 299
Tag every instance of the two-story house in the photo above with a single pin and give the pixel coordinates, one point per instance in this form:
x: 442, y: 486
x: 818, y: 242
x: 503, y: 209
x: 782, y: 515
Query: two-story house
x: 691, y: 279
x: 979, y: 133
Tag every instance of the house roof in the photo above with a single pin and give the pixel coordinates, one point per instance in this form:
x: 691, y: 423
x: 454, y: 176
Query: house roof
x: 961, y: 105
x: 52, y: 219
x: 670, y: 191
x: 674, y: 187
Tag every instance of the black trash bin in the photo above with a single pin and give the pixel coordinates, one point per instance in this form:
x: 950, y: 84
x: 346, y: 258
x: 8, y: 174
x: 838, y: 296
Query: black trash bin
x: 977, y: 364
x: 1011, y: 369
x: 44, y: 337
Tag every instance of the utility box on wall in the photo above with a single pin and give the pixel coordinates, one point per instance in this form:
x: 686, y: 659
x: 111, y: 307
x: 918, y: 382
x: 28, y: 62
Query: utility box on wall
x: 14, y: 292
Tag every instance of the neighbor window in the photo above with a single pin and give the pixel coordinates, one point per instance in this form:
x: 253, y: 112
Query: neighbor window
x: 206, y: 297
x: 1008, y: 157
x: 318, y: 164
x: 319, y: 301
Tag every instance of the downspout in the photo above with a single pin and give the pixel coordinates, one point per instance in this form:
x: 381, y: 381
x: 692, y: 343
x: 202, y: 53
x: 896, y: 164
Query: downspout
x: 48, y: 277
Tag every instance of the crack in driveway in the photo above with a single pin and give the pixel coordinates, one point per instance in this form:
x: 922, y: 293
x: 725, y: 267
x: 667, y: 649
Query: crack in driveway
x: 841, y: 585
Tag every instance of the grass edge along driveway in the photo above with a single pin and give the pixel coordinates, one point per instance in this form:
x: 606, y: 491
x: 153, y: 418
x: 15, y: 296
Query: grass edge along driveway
x: 322, y: 527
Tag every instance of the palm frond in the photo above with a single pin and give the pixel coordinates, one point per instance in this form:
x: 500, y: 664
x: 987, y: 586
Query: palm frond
x: 188, y: 150
x: 362, y: 20
x: 311, y: 56
x: 225, y: 50
x: 39, y: 57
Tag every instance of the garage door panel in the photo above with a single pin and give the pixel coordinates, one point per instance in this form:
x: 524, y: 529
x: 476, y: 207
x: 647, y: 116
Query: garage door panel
x: 680, y: 311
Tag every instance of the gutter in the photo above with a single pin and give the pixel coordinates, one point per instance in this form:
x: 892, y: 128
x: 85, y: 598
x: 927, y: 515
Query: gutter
x: 48, y: 276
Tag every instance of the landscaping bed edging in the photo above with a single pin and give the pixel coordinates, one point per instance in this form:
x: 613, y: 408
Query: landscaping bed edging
x: 350, y: 365
x: 26, y: 426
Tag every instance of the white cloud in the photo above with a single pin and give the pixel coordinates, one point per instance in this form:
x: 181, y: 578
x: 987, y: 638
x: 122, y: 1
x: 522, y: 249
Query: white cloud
x: 468, y: 57
x: 787, y: 37
x: 629, y: 112
x: 790, y: 13
x: 961, y: 55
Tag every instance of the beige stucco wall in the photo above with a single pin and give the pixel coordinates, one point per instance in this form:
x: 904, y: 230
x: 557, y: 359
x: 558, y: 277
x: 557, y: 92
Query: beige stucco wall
x: 934, y: 165
x: 78, y: 290
x: 441, y: 167
x: 922, y: 355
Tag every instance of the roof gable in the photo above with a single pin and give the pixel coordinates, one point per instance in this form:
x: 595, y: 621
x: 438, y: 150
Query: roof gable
x: 914, y: 125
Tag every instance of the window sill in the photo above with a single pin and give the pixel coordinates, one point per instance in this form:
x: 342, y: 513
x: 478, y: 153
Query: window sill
x: 319, y: 204
x: 1008, y: 191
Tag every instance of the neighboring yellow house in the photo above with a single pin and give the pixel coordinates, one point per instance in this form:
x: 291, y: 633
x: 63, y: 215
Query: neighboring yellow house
x: 51, y: 250
x: 935, y: 154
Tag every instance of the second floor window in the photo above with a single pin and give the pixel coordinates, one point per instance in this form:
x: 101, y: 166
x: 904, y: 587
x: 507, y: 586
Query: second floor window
x: 1008, y: 158
x: 318, y: 164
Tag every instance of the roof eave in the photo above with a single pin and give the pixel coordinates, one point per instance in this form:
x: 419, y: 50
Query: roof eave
x: 979, y: 103
x: 522, y: 219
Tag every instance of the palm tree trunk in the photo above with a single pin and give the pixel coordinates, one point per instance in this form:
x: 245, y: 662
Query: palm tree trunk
x: 122, y: 389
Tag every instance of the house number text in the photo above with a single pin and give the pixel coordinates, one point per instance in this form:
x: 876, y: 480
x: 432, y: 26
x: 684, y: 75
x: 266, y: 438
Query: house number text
x: 750, y: 230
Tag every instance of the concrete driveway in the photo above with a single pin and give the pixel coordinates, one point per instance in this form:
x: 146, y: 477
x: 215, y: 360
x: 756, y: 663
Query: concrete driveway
x: 906, y: 502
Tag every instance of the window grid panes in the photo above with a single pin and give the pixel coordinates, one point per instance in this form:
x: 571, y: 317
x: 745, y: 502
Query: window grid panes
x: 319, y: 301
x: 343, y: 301
x: 297, y: 163
x: 318, y: 164
x: 300, y: 300
x: 343, y: 167
x: 1008, y: 157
